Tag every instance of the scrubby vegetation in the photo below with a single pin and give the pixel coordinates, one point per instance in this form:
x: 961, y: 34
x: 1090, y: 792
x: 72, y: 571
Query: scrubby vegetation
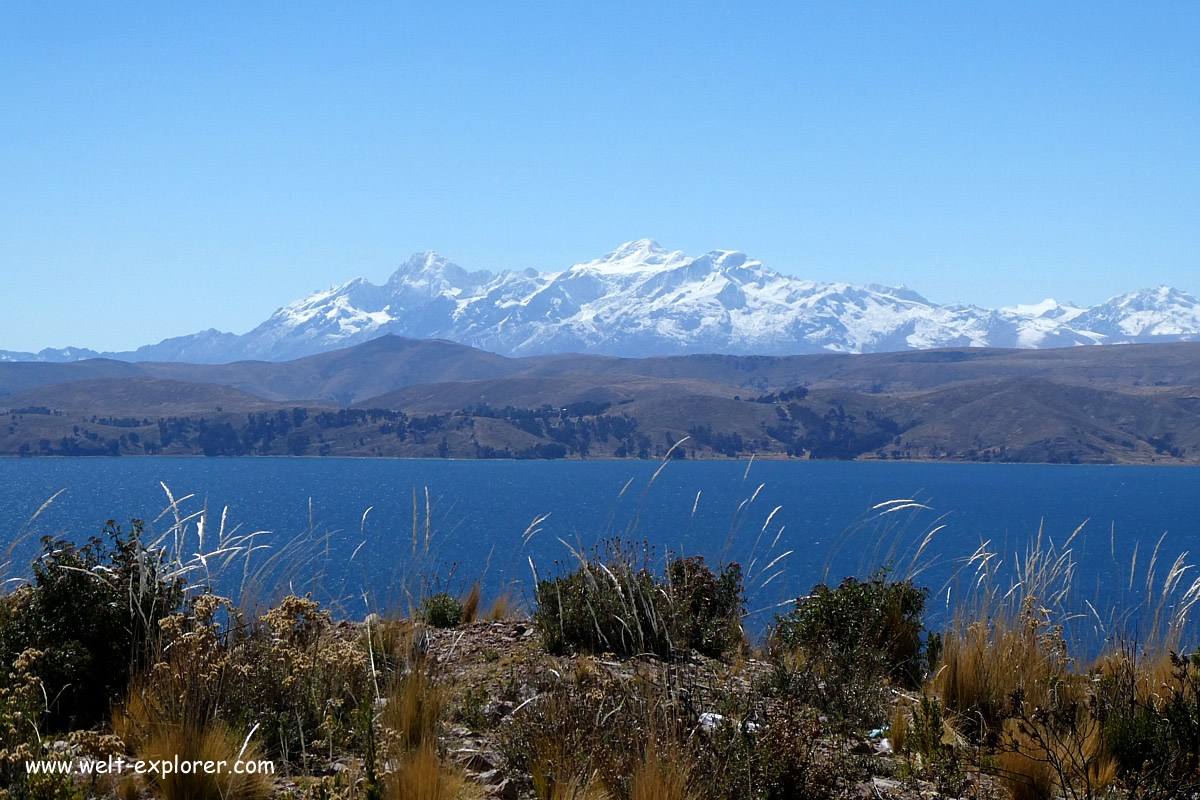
x: 839, y: 649
x: 618, y: 605
x: 88, y: 614
x: 630, y: 678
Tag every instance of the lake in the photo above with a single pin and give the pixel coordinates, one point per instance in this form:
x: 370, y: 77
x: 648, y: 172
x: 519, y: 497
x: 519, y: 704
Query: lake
x: 480, y: 512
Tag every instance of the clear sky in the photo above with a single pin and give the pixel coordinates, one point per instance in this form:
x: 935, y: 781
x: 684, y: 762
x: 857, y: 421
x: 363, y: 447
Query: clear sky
x: 168, y: 167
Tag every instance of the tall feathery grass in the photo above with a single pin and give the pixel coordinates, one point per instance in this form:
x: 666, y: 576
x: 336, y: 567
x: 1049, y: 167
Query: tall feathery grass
x: 1031, y: 672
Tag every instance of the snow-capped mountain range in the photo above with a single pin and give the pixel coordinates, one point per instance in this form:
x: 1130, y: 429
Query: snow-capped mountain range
x: 643, y: 300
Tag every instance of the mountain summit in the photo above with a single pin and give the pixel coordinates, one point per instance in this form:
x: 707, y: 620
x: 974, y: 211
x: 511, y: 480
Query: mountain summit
x: 641, y: 299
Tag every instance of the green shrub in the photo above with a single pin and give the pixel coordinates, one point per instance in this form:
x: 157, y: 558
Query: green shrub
x: 90, y: 609
x: 597, y: 609
x: 45, y: 786
x: 926, y: 753
x: 618, y: 605
x: 442, y: 610
x: 873, y: 626
x: 839, y: 648
x: 706, y: 608
x: 1153, y: 735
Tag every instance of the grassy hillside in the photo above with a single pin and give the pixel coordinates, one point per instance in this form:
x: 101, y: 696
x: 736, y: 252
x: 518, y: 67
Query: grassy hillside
x: 405, y: 398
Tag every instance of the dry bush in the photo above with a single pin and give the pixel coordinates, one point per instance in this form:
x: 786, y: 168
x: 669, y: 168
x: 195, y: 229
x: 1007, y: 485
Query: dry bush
x: 304, y: 677
x: 176, y: 709
x: 293, y: 673
x: 596, y: 732
x: 641, y: 736
x: 185, y: 685
x: 22, y: 707
x: 553, y: 740
x: 792, y: 758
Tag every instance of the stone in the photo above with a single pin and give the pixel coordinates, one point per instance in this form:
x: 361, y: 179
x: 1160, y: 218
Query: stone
x: 493, y: 777
x: 506, y: 790
x: 477, y: 760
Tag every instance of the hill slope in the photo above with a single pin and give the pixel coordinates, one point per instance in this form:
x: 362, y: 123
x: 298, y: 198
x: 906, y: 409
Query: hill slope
x: 402, y: 397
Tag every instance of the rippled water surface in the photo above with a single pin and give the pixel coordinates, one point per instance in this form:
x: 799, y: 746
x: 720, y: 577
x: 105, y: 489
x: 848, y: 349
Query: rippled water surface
x: 723, y: 510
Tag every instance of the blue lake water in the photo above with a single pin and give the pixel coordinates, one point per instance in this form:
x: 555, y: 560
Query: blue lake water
x: 820, y: 511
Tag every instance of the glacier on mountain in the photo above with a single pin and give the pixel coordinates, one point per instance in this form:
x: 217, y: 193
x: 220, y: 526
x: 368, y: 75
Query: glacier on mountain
x: 642, y: 300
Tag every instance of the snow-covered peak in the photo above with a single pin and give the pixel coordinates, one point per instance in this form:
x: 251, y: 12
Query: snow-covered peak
x: 901, y: 291
x: 1033, y: 309
x: 1157, y: 311
x: 1047, y: 309
x: 642, y: 299
x: 431, y: 263
x: 1155, y: 298
x: 632, y: 258
x: 730, y: 259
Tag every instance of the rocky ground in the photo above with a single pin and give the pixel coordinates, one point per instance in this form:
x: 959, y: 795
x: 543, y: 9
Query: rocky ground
x: 494, y: 670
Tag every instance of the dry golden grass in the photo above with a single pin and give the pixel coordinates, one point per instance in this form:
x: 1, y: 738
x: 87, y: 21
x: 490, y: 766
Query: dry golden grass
x: 410, y: 727
x: 391, y: 640
x: 414, y: 707
x: 421, y: 775
x: 1002, y: 639
x: 545, y: 788
x: 211, y: 743
x: 1071, y: 753
x: 985, y: 661
x: 898, y: 726
x: 1025, y: 777
x: 470, y: 604
x: 129, y: 787
x: 662, y: 775
x: 503, y: 608
x: 1151, y: 676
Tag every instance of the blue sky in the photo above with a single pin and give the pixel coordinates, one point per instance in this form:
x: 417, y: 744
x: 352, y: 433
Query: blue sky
x: 167, y: 167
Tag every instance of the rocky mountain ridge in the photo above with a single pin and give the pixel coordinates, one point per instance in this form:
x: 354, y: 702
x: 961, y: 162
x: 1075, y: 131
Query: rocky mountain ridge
x: 643, y: 300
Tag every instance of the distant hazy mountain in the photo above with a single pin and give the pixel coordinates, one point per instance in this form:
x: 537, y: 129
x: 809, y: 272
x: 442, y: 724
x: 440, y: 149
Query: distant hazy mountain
x: 642, y: 300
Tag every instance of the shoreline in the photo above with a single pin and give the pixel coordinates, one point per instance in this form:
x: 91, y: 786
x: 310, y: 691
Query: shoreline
x: 771, y: 457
